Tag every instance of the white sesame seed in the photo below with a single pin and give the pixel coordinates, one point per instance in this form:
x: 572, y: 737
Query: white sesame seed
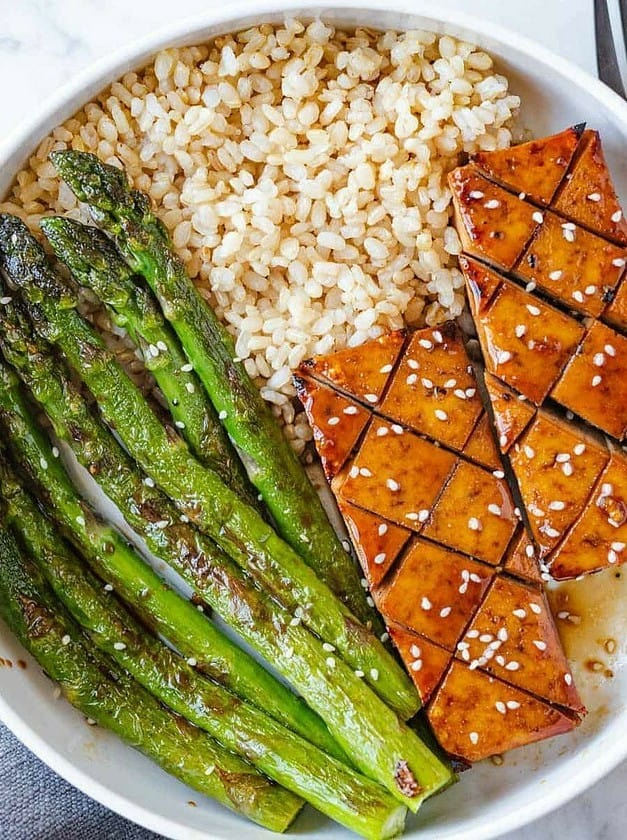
x: 350, y: 409
x: 529, y: 551
x: 385, y: 369
x: 522, y: 196
x: 486, y: 637
x: 539, y: 644
x: 562, y: 457
x: 5, y: 300
x: 374, y: 674
x: 610, y: 350
x: 596, y: 380
x: 43, y: 463
x: 423, y: 515
x: 55, y: 452
x: 333, y: 421
x: 529, y: 451
x: 617, y: 216
x: 119, y: 646
x: 425, y: 603
x: 500, y: 707
x: 568, y: 679
x: 331, y: 662
x: 568, y: 234
x: 187, y: 368
x: 80, y: 520
x: 594, y: 196
x: 424, y: 342
x: 192, y: 662
x: 392, y: 485
x: 162, y: 346
x: 519, y: 613
x: 383, y: 529
x: 567, y: 468
x: 500, y: 660
x: 607, y: 489
x: 568, y: 226
x: 412, y: 379
x: 108, y: 588
x: 371, y: 398
x: 365, y: 472
x: 413, y: 364
x: 472, y: 634
x: 462, y: 646
x: 475, y: 194
x: 503, y: 439
x: 450, y: 383
x: 578, y: 296
x: 474, y: 737
x: 502, y: 356
x: 427, y: 382
x: 520, y: 330
x: 328, y: 647
x: 154, y: 351
x: 412, y: 516
x: 441, y: 415
x: 492, y: 204
x: 618, y: 546
x: 474, y: 524
x: 530, y: 286
x: 537, y: 217
x: 380, y: 558
x: 475, y: 578
x: 535, y: 608
x: 149, y: 482
x: 398, y: 430
x: 557, y: 505
x: 563, y: 614
x: 415, y: 651
x: 459, y: 393
x: 598, y: 360
x: 445, y: 611
x: 470, y: 392
x: 495, y: 509
x: 498, y: 474
x: 590, y: 290
x: 512, y: 666
x: 190, y: 387
x: 417, y: 665
x: 612, y: 556
x: 533, y: 310
x: 66, y: 640
x: 579, y: 448
x: 536, y: 511
x: 513, y: 704
x: 179, y: 424
x: 382, y: 431
x: 384, y: 637
x: 353, y: 472
x: 359, y: 673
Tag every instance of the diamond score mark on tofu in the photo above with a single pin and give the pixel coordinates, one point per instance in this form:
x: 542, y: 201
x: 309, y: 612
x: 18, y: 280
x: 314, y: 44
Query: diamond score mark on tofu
x: 572, y: 353
x: 425, y: 501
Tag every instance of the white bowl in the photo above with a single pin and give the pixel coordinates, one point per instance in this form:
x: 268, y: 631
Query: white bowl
x: 489, y: 800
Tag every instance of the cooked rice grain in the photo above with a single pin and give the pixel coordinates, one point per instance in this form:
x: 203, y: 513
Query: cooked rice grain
x: 301, y: 171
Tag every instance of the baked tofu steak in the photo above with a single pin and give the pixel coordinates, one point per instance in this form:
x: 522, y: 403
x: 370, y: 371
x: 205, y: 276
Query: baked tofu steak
x: 552, y: 323
x: 406, y: 444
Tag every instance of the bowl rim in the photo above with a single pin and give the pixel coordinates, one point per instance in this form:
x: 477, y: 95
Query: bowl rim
x: 81, y: 88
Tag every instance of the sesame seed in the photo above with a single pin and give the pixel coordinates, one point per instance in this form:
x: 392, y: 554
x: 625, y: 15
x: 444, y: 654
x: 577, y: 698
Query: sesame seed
x: 568, y: 234
x: 472, y: 634
x: 475, y: 578
x: 520, y: 330
x: 333, y: 421
x: 529, y: 451
x: 474, y: 524
x: 537, y: 217
x: 379, y: 559
x: 187, y: 368
x: 598, y: 360
x: 618, y: 546
x: 567, y: 468
x: 371, y: 398
x: 354, y: 471
x: 535, y: 608
x: 596, y: 380
x: 424, y: 342
x: 568, y: 679
x: 579, y: 448
x: 398, y: 430
x: 568, y: 226
x: 365, y: 472
x: 619, y: 262
x: 66, y: 640
x: 492, y: 204
x: 557, y: 505
x: 535, y: 510
x: 500, y: 660
x: 522, y: 196
x: 495, y: 509
x: 108, y: 588
x: 474, y: 737
x: 503, y: 439
x: 385, y: 369
x: 612, y: 556
x: 415, y: 651
x: 529, y: 551
x: 445, y: 611
x: 450, y: 383
x: 610, y: 350
x: 590, y: 290
x: 607, y: 489
x: 192, y: 662
x: 519, y: 613
x: 190, y: 387
x: 392, y: 485
x: 594, y: 196
x: 364, y: 583
x: 412, y: 516
x: 562, y: 457
x: 555, y: 275
x: 441, y: 415
x: 80, y: 520
x: 563, y: 614
x: 577, y: 295
x: 55, y: 452
x: 486, y: 637
x: 119, y: 646
x: 475, y: 194
x: 149, y: 482
x: 533, y: 310
x: 539, y: 644
x: 502, y: 356
x: 5, y: 300
x: 425, y: 603
x: 513, y: 704
x: 512, y: 666
x: 498, y: 474
x: 617, y: 216
x: 427, y: 383
x: 470, y: 392
x: 359, y: 673
x: 500, y: 707
x: 374, y: 674
x: 350, y: 409
x: 382, y: 431
x: 530, y: 286
x: 437, y: 335
x: 417, y: 665
x: 179, y: 424
x: 413, y: 364
x: 154, y: 351
x: 328, y: 647
x: 460, y: 394
x: 383, y: 528
x: 162, y: 346
x: 384, y: 637
x: 462, y: 646
x: 330, y: 661
x: 412, y: 379
x: 423, y: 515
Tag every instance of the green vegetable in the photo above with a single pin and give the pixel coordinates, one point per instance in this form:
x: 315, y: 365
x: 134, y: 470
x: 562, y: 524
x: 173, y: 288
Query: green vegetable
x: 381, y: 746
x: 198, y: 492
x: 325, y: 783
x: 115, y: 701
x: 95, y: 263
x: 272, y: 465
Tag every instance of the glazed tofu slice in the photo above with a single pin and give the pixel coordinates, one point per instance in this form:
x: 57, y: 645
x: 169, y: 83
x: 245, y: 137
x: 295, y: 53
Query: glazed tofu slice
x: 493, y: 224
x: 433, y: 389
x: 594, y: 384
x: 513, y: 637
x: 556, y: 470
x: 526, y: 343
x: 481, y: 446
x: 587, y: 193
x: 511, y: 414
x: 336, y: 421
x: 521, y: 559
x: 425, y: 661
x: 434, y: 592
x: 599, y: 537
x: 536, y: 168
x: 481, y: 284
x: 377, y: 541
x: 362, y: 375
x: 476, y: 716
x: 396, y: 474
x: 574, y: 266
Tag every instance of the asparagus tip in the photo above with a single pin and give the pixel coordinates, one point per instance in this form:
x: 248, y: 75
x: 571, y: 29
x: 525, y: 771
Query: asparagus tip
x: 91, y: 180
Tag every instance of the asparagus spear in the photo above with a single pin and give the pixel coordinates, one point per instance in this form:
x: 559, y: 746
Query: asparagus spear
x: 210, y: 573
x: 274, y: 470
x: 382, y: 747
x: 95, y: 263
x: 325, y: 783
x: 118, y: 703
x: 198, y: 492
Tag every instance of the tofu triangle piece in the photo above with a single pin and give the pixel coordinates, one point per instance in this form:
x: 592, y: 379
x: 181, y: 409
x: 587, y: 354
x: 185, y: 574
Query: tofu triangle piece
x: 481, y: 284
x: 476, y: 716
x: 362, y: 374
x: 588, y: 196
x: 521, y: 560
x: 535, y: 168
x: 425, y: 662
x: 511, y: 414
x: 336, y: 421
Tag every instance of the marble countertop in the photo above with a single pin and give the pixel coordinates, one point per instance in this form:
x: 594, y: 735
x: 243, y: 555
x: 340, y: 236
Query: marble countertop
x: 44, y: 42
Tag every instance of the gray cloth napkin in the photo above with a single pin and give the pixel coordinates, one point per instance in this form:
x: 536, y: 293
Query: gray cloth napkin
x: 36, y: 804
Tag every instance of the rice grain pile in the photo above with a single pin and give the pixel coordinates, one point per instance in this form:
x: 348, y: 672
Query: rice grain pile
x: 301, y: 171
